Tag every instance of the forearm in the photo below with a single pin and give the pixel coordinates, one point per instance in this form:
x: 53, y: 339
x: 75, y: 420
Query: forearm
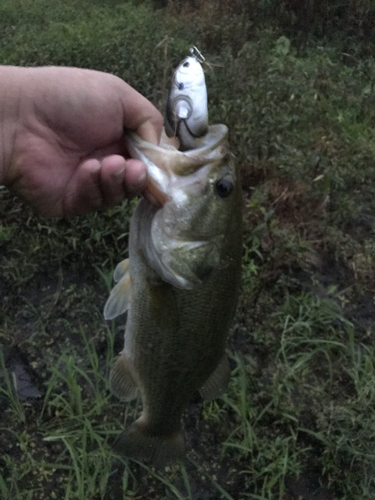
x: 10, y: 89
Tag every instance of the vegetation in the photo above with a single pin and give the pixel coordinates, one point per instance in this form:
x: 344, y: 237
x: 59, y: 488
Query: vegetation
x: 298, y: 418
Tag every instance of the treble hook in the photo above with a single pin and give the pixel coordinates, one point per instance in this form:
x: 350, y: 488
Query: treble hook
x: 196, y: 53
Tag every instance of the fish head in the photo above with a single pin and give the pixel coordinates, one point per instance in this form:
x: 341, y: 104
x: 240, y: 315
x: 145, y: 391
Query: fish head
x: 185, y: 240
x: 188, y: 233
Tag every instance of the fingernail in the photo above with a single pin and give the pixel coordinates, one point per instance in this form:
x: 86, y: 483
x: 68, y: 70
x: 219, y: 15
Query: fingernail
x: 119, y: 172
x: 139, y: 183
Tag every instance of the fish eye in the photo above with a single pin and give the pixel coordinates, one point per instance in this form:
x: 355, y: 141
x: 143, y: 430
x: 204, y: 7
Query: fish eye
x: 224, y: 187
x: 186, y: 64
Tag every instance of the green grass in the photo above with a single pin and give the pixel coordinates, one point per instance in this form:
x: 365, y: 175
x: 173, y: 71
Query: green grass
x: 301, y: 119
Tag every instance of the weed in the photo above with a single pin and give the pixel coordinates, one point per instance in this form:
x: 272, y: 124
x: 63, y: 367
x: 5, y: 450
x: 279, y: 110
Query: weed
x: 9, y: 390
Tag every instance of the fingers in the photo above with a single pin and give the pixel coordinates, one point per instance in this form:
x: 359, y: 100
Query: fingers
x: 141, y: 116
x: 83, y: 194
x: 150, y: 130
x: 121, y: 178
x: 103, y: 184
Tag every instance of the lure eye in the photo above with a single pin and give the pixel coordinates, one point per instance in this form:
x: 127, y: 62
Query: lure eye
x: 180, y: 86
x: 186, y: 64
x: 224, y: 187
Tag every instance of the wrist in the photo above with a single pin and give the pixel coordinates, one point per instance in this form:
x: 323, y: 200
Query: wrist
x: 9, y: 118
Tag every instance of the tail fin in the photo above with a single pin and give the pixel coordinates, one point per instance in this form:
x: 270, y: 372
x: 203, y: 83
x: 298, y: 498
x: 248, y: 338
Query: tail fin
x: 136, y: 442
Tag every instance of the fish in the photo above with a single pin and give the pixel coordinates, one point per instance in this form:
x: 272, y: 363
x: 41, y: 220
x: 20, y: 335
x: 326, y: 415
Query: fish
x: 179, y: 287
x: 186, y: 111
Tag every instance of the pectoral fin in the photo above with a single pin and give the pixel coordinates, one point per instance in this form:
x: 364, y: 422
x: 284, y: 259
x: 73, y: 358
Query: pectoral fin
x: 217, y: 382
x: 119, y: 300
x: 121, y: 381
x: 121, y: 270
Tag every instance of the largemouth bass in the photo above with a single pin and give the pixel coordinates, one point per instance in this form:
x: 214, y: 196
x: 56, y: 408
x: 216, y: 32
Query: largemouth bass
x: 180, y: 287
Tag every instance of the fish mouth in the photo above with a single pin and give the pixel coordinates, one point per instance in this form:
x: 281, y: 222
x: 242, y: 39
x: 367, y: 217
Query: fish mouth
x: 155, y: 190
x: 157, y: 179
x: 166, y: 160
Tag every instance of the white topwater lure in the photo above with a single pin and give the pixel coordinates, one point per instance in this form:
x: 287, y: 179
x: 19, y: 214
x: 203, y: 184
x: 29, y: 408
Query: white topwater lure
x: 186, y: 114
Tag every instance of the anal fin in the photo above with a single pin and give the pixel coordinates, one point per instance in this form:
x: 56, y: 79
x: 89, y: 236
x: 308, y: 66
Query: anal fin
x: 121, y: 381
x: 217, y: 382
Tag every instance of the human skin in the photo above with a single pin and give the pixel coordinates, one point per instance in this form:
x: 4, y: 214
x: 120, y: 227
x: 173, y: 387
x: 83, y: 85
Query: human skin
x: 61, y: 138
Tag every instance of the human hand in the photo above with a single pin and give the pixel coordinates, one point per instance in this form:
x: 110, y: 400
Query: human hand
x: 62, y: 131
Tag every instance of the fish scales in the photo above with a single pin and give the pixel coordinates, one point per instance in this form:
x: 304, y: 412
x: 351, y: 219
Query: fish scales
x: 175, y: 351
x: 181, y: 285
